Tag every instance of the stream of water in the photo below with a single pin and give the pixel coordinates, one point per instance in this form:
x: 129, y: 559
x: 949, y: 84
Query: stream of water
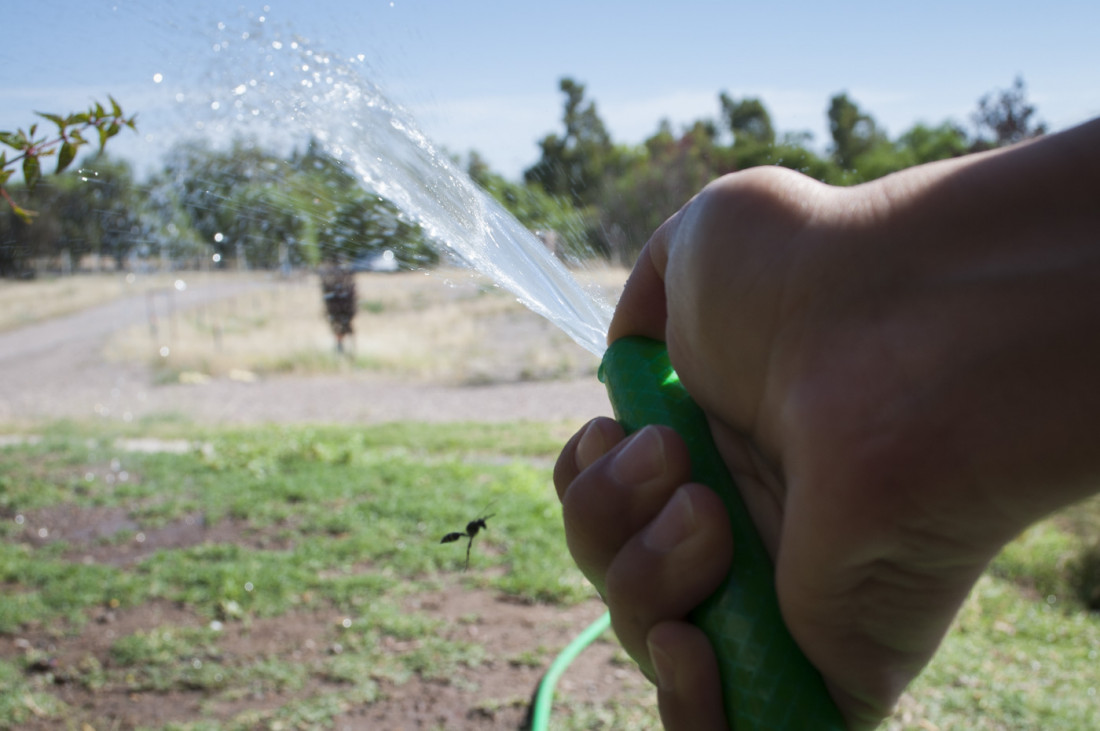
x: 275, y: 85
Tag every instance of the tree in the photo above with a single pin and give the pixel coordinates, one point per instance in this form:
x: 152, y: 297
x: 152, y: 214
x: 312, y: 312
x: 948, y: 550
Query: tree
x: 95, y: 213
x: 1005, y: 117
x: 927, y: 144
x: 573, y: 228
x: 574, y: 164
x: 657, y: 183
x: 854, y: 132
x: 748, y: 119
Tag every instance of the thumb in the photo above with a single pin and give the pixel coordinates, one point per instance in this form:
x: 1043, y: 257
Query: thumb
x: 642, y: 308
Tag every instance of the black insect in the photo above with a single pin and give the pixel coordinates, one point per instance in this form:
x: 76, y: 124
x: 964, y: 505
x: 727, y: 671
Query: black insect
x: 472, y: 529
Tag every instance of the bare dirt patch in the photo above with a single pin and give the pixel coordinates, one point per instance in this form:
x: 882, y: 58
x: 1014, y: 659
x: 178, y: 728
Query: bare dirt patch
x: 494, y: 692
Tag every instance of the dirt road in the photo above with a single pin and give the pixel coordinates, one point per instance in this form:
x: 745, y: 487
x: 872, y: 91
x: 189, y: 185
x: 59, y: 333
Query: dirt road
x: 56, y: 369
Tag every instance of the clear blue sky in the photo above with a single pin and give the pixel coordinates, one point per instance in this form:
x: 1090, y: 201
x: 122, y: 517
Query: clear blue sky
x: 483, y: 74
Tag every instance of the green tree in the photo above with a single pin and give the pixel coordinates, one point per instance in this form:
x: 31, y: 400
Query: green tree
x: 574, y: 163
x: 1005, y: 117
x: 574, y: 228
x: 97, y: 212
x: 854, y: 132
x: 660, y: 178
x: 748, y: 119
x: 238, y: 201
x: 927, y: 144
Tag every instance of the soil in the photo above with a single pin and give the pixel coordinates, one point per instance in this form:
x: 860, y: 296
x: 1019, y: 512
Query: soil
x: 55, y: 370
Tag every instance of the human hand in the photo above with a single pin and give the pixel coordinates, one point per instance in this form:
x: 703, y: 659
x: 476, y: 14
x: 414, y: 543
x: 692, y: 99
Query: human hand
x: 891, y: 373
x: 655, y: 546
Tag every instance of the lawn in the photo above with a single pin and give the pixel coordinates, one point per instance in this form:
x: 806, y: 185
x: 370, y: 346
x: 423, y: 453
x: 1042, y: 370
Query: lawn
x: 292, y: 577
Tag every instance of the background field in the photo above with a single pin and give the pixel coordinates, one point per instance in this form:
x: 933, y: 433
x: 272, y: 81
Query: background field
x: 173, y: 572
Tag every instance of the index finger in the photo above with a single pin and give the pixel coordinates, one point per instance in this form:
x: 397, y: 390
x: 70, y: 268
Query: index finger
x: 642, y: 308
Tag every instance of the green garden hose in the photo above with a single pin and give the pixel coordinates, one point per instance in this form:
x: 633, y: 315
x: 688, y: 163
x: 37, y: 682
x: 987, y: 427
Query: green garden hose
x: 544, y: 699
x: 768, y: 684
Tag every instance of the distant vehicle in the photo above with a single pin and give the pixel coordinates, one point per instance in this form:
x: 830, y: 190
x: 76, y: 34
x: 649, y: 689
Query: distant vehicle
x: 379, y: 261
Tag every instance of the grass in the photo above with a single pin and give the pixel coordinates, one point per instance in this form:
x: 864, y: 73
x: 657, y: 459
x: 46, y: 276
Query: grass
x: 26, y: 302
x: 339, y: 527
x: 323, y: 520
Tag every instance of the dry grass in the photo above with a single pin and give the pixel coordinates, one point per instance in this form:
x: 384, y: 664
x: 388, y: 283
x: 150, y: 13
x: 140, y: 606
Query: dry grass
x: 27, y: 302
x: 443, y: 326
x: 23, y: 303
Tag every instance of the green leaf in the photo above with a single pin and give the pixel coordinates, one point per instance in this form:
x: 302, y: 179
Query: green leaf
x: 116, y: 110
x: 31, y: 171
x: 59, y: 121
x: 23, y: 213
x: 11, y: 140
x: 66, y: 155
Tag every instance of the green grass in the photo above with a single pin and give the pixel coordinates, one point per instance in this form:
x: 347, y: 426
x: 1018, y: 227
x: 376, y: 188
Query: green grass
x: 339, y: 525
x: 324, y: 518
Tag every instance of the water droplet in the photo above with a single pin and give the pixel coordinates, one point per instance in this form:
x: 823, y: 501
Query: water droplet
x: 157, y: 78
x: 248, y: 586
x: 19, y: 520
x: 164, y: 351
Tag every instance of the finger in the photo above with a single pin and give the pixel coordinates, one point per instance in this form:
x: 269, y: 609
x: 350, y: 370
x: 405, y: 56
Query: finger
x: 591, y: 442
x: 619, y: 494
x: 689, y: 690
x: 669, y: 567
x: 642, y: 308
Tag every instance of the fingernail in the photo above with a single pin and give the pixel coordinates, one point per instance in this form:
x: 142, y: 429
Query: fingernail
x: 590, y: 447
x: 674, y: 523
x: 662, y: 667
x: 642, y: 459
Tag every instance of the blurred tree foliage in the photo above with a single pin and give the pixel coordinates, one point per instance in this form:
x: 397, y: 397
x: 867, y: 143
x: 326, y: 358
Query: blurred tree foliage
x: 245, y: 204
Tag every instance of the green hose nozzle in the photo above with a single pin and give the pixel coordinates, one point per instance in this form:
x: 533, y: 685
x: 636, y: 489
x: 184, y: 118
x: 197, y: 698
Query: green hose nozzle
x: 767, y: 683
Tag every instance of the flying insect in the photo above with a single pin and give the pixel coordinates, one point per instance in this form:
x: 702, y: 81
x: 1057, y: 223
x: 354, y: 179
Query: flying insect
x: 472, y: 529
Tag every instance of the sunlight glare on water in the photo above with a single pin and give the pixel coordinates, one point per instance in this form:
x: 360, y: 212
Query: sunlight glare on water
x: 279, y: 87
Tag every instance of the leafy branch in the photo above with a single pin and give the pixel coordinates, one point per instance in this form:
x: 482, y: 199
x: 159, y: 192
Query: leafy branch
x: 31, y: 147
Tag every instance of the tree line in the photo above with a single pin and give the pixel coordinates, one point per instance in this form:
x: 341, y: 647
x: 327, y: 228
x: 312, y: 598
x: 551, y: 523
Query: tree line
x: 247, y: 204
x: 622, y: 193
